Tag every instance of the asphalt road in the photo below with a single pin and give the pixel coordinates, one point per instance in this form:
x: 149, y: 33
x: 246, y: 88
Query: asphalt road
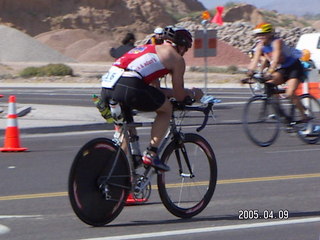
x: 275, y: 181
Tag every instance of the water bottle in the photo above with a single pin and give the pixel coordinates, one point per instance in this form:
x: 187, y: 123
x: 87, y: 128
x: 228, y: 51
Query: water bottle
x: 135, y: 150
x: 134, y: 145
x: 103, y: 109
x: 115, y: 110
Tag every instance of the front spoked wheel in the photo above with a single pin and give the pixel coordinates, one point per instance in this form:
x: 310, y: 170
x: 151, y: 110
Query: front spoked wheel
x: 99, y: 182
x: 188, y: 187
x: 310, y: 132
x: 260, y: 122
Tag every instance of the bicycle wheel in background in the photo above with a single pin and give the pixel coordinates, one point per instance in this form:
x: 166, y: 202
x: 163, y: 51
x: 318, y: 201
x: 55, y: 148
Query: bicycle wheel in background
x: 90, y: 168
x: 310, y: 133
x: 260, y: 122
x: 183, y: 194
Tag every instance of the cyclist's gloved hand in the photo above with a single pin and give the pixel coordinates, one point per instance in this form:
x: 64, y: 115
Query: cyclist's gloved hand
x: 261, y: 77
x: 250, y: 73
x: 187, y: 101
x: 209, y: 99
x: 258, y: 75
x: 197, y: 94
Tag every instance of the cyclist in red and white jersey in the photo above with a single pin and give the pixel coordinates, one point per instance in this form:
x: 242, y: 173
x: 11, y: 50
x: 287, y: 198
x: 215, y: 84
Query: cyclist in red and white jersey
x: 133, y: 81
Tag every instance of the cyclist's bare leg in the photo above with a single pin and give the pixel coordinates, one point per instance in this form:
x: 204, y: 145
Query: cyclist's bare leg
x: 158, y: 130
x: 292, y: 85
x: 276, y: 80
x: 161, y: 123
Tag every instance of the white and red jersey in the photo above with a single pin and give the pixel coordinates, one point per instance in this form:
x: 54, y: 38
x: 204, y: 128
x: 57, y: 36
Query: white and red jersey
x: 143, y: 60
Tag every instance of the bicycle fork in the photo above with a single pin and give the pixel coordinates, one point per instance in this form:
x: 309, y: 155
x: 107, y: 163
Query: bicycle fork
x: 181, y: 146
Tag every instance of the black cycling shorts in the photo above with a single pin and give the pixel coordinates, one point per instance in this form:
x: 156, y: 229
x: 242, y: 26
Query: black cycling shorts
x: 135, y: 94
x: 293, y: 71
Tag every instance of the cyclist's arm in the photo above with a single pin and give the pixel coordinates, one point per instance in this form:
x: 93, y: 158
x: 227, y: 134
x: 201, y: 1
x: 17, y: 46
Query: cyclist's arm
x: 194, y: 93
x: 166, y: 91
x: 276, y: 55
x: 177, y: 74
x: 176, y: 65
x: 256, y: 58
x: 264, y: 63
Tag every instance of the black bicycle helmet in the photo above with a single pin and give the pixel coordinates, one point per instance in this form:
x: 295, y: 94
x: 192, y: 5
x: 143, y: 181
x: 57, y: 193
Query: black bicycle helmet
x: 179, y: 36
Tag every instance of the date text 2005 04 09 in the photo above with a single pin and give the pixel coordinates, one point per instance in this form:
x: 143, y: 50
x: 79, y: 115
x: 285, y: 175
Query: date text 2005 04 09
x: 265, y: 214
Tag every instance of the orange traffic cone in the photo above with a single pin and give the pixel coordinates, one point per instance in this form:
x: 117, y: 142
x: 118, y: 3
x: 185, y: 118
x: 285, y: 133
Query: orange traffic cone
x: 12, y: 142
x: 132, y: 200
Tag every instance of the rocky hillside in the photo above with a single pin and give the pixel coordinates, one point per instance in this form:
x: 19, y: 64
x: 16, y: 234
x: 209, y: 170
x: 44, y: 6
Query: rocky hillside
x: 85, y: 29
x: 240, y: 19
x: 105, y: 16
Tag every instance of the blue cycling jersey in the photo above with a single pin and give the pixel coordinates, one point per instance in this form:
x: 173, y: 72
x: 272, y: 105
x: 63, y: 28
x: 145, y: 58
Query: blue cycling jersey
x: 289, y: 54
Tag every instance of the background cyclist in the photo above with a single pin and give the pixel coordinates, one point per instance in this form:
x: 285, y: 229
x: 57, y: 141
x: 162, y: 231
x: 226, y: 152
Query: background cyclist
x: 285, y: 66
x: 127, y: 44
x: 138, y: 86
x: 156, y: 38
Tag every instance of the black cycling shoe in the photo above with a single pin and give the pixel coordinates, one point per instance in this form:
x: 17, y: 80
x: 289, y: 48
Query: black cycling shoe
x: 154, y: 161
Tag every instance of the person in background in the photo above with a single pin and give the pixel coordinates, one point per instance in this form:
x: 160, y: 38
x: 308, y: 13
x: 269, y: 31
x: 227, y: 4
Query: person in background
x: 127, y: 44
x: 156, y: 38
x: 306, y: 62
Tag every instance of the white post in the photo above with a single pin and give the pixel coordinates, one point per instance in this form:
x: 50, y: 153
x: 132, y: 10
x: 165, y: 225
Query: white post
x: 205, y: 38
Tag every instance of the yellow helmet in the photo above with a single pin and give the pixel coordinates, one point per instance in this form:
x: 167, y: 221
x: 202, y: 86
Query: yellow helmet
x: 305, y: 56
x: 263, y: 28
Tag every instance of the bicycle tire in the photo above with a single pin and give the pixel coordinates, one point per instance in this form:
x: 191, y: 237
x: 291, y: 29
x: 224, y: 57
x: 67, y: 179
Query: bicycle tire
x: 260, y: 121
x: 312, y: 107
x: 93, y: 161
x: 186, y: 197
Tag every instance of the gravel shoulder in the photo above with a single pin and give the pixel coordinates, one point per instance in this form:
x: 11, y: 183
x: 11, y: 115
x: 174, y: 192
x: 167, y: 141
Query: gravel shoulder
x: 91, y: 72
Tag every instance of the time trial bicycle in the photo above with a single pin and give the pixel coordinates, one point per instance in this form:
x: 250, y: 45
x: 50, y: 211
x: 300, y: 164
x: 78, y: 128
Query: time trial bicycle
x: 105, y: 172
x: 264, y: 114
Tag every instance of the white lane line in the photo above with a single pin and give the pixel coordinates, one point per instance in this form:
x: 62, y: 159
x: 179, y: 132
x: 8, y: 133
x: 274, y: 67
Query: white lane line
x: 295, y: 150
x: 4, y: 229
x: 228, y: 103
x: 19, y: 216
x: 209, y: 229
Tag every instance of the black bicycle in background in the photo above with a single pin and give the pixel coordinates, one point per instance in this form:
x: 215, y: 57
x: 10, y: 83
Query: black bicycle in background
x: 265, y: 114
x: 105, y: 171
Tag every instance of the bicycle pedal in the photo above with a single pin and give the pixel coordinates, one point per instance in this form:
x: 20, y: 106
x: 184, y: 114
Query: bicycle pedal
x: 290, y: 130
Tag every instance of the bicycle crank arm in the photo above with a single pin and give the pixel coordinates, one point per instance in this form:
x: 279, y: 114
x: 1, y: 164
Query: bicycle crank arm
x: 105, y: 191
